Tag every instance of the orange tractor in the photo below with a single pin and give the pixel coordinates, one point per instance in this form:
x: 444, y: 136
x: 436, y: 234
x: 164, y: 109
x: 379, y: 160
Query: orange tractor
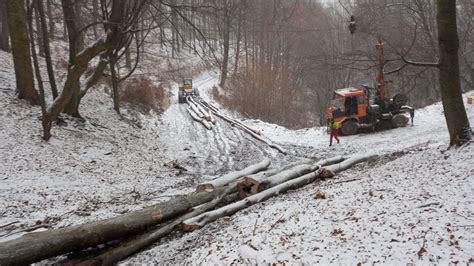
x: 186, y: 89
x: 354, y: 110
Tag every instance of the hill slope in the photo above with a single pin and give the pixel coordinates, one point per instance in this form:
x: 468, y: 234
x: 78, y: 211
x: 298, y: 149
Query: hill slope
x: 418, y: 194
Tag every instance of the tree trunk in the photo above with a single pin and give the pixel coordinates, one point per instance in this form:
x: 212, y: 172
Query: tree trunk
x: 115, y: 84
x: 39, y: 32
x: 70, y: 19
x: 78, y: 21
x: 52, y: 25
x: 47, y: 51
x: 201, y: 220
x: 4, y: 33
x: 225, y: 60
x: 44, y: 119
x: 451, y: 94
x: 237, y: 49
x: 233, y: 176
x: 33, y: 247
x: 21, y: 51
x: 95, y: 8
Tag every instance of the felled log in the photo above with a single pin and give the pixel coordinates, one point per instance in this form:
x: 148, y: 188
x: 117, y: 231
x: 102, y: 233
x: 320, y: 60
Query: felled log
x: 250, y: 185
x: 33, y: 247
x: 233, y: 176
x: 248, y: 127
x: 260, y: 138
x: 202, y: 219
x: 194, y: 107
x: 198, y: 119
x: 130, y: 247
x: 199, y: 109
x: 274, y: 171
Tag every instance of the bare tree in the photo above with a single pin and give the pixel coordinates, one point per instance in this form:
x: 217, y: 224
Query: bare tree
x: 454, y: 111
x: 18, y: 28
x: 4, y: 33
x: 46, y: 48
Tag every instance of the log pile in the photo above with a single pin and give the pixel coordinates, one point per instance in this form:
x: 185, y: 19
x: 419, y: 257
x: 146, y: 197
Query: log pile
x: 137, y: 230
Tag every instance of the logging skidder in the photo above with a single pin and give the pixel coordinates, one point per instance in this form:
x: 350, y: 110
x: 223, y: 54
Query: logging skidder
x: 352, y: 107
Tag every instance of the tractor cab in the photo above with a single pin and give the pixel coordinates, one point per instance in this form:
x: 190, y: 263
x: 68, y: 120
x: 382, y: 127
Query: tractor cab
x: 348, y: 103
x: 186, y: 89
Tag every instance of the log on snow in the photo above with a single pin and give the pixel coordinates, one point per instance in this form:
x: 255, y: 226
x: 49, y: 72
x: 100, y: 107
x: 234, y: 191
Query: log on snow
x: 233, y: 176
x: 33, y: 247
x: 256, y: 136
x: 250, y: 185
x: 202, y: 219
x: 208, y: 112
x: 249, y: 131
x: 199, y: 108
x: 194, y: 107
x: 130, y: 247
x: 198, y: 119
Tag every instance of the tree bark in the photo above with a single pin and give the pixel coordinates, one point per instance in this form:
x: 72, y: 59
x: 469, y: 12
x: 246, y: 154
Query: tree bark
x: 4, y: 33
x: 132, y: 246
x: 201, y: 220
x: 21, y: 51
x: 454, y: 111
x: 233, y: 176
x: 34, y: 247
x: 47, y: 51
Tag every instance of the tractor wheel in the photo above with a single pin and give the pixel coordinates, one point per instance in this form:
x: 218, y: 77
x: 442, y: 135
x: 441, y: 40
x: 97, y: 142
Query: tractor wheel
x: 349, y: 127
x: 399, y: 120
x: 196, y: 92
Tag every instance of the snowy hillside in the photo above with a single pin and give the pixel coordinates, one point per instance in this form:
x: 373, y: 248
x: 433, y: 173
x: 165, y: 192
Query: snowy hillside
x: 412, y: 205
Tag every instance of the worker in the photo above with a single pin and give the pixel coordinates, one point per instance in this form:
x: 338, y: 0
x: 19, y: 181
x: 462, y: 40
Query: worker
x: 334, y: 126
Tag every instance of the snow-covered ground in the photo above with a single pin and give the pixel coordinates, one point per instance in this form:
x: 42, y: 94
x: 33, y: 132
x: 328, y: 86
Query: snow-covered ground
x: 412, y: 205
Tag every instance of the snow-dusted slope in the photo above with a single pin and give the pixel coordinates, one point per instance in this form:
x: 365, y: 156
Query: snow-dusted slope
x: 413, y: 205
x: 107, y: 166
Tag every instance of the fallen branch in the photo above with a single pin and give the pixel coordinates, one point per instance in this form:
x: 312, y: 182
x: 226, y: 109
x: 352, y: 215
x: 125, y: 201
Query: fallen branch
x: 233, y: 176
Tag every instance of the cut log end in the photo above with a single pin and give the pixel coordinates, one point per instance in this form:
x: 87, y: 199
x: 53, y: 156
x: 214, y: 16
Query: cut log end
x: 205, y: 188
x: 325, y: 173
x: 189, y: 227
x: 248, y: 186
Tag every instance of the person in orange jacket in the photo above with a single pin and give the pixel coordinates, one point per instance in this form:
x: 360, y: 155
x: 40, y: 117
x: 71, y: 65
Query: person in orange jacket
x: 334, y: 126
